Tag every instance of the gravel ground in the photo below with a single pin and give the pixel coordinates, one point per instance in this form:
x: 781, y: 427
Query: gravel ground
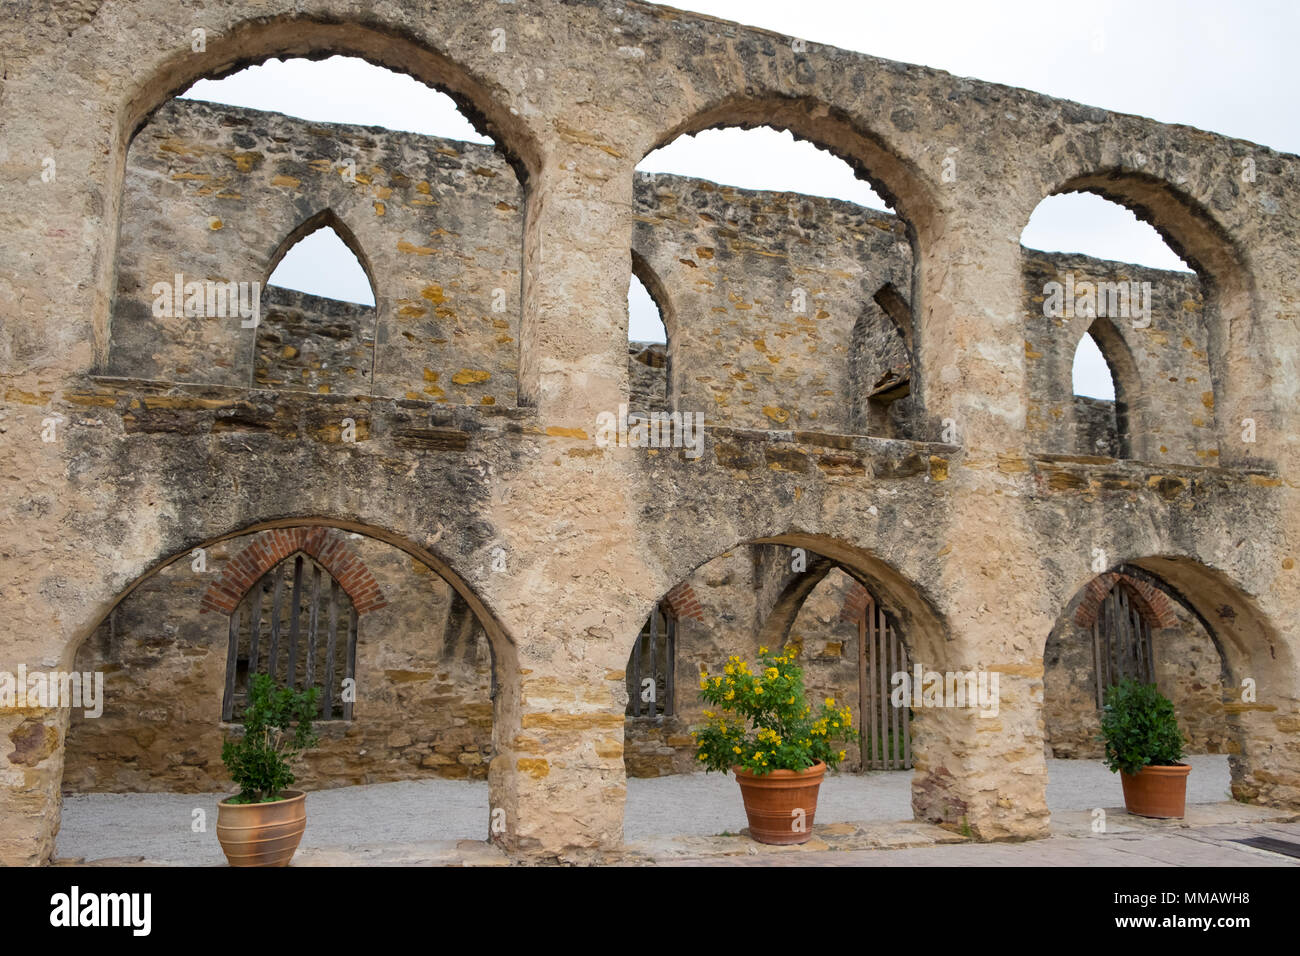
x: 159, y: 826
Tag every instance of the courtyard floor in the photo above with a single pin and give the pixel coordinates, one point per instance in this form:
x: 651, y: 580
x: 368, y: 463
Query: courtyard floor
x: 694, y: 818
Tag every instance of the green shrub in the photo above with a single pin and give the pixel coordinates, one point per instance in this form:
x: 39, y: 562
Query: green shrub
x: 1139, y: 728
x: 764, y: 722
x: 277, y: 730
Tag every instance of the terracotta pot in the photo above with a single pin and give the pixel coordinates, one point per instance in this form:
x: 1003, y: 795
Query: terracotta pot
x: 780, y: 805
x: 1156, y: 791
x: 262, y: 834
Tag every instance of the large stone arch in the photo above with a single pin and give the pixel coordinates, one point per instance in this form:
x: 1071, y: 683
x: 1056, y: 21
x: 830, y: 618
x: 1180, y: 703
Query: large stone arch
x: 1244, y: 627
x: 48, y: 728
x: 939, y: 783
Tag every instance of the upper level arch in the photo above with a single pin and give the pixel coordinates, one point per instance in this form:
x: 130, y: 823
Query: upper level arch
x: 896, y: 179
x: 249, y: 42
x: 1227, y: 307
x: 773, y: 264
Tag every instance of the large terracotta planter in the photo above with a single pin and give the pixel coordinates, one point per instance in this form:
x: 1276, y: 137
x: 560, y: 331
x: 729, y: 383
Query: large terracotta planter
x: 1156, y: 791
x: 780, y: 805
x: 262, y: 834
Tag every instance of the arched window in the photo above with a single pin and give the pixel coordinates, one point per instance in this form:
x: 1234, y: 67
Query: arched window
x: 648, y: 350
x: 650, y: 670
x: 317, y: 329
x: 322, y: 264
x: 298, y: 625
x: 1100, y: 414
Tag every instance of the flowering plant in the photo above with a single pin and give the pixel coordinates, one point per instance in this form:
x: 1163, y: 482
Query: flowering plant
x: 763, y: 722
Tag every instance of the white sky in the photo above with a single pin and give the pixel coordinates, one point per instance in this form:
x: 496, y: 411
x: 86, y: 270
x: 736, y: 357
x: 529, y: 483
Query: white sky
x: 1221, y: 67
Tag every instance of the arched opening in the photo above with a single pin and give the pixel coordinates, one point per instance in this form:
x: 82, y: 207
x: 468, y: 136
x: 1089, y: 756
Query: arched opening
x: 880, y: 367
x: 435, y: 221
x: 1102, y: 387
x: 317, y: 326
x: 852, y: 646
x: 414, y: 728
x: 1151, y: 295
x: 650, y: 345
x: 773, y: 238
x: 1201, y: 642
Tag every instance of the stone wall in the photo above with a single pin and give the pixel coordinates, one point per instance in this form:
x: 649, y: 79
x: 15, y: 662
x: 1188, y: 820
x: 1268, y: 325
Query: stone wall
x: 975, y: 528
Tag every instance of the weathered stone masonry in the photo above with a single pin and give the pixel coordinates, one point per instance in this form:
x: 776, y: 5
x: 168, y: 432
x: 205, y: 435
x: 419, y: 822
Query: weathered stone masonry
x: 976, y: 545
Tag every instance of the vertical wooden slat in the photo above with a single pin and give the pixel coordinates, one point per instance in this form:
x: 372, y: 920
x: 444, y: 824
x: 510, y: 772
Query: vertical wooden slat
x: 1114, y: 653
x: 670, y: 692
x: 862, y: 693
x: 228, y: 703
x: 873, y: 684
x: 1148, y: 653
x: 313, y: 622
x: 894, y: 712
x: 906, y: 715
x: 277, y: 602
x: 869, y: 705
x: 255, y: 630
x: 351, y: 669
x: 882, y: 745
x: 327, y: 699
x: 654, y: 661
x: 1097, y: 665
x: 295, y: 624
x: 1124, y: 623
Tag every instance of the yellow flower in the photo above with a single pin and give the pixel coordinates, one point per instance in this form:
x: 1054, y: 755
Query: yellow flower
x: 758, y: 754
x: 729, y: 695
x: 830, y: 701
x: 729, y: 669
x: 841, y: 754
x: 770, y: 673
x: 758, y: 690
x: 717, y: 682
x: 791, y: 700
x: 702, y: 756
x: 762, y: 650
x: 735, y: 749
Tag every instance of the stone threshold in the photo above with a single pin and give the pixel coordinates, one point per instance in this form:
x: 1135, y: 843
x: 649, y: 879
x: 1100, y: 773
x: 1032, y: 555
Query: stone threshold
x: 1080, y: 823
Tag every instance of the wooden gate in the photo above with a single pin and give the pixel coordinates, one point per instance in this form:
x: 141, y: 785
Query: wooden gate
x: 650, y: 671
x: 1121, y: 642
x: 886, y: 730
x: 319, y: 650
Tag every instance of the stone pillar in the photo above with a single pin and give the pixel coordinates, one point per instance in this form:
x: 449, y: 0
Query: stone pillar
x: 557, y: 784
x: 984, y: 774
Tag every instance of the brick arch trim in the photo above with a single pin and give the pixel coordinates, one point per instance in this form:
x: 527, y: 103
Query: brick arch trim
x: 1153, y: 604
x: 683, y: 602
x: 856, y: 600
x: 269, y: 548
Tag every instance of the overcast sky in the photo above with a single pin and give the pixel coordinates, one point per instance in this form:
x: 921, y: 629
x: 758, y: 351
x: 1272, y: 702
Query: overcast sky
x: 1223, y: 67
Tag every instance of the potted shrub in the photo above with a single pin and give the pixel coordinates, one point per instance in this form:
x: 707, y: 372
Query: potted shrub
x: 1145, y: 746
x: 766, y: 733
x: 263, y: 823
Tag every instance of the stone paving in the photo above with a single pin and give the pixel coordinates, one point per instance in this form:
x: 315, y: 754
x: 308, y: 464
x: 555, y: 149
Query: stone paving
x: 698, y: 820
